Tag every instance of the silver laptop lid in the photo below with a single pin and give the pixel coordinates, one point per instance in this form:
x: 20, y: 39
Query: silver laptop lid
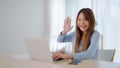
x: 38, y: 48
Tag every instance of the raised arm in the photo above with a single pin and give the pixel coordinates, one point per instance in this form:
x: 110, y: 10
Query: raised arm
x: 67, y: 27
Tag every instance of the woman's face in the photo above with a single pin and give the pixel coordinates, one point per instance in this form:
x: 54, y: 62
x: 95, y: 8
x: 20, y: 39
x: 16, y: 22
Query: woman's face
x: 82, y: 23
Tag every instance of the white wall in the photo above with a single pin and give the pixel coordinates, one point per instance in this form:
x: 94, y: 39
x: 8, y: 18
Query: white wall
x: 18, y: 19
x: 108, y: 18
x: 56, y: 18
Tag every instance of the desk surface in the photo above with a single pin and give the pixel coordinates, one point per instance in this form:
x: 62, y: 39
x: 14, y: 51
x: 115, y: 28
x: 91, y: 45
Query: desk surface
x: 7, y: 62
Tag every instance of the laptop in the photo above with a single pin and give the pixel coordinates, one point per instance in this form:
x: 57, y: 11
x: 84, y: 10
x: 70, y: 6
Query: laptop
x: 38, y: 49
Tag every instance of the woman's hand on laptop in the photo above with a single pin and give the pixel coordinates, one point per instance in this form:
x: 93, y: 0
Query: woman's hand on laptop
x: 58, y: 55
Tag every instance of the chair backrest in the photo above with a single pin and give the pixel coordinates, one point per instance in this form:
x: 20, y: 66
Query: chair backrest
x: 106, y: 54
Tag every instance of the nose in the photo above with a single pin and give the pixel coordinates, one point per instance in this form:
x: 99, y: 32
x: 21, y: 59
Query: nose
x: 81, y: 22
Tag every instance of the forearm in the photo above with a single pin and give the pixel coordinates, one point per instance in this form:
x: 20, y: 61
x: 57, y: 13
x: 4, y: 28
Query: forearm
x: 66, y: 38
x: 81, y: 56
x: 60, y: 38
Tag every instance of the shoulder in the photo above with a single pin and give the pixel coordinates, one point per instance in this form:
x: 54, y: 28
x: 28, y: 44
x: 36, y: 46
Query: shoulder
x: 95, y: 34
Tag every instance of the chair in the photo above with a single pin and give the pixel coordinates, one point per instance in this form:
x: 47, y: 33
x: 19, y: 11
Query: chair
x: 106, y: 54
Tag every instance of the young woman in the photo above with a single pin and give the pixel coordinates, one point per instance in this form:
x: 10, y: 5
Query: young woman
x: 85, y: 38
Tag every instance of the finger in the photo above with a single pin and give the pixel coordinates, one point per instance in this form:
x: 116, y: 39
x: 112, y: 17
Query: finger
x: 69, y: 22
x: 68, y: 17
x: 55, y: 54
x: 57, y: 57
x: 66, y: 22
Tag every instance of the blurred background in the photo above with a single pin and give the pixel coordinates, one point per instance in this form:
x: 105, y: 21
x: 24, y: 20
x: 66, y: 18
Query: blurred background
x: 22, y: 18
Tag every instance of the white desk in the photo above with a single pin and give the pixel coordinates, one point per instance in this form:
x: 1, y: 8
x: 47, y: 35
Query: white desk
x: 7, y: 62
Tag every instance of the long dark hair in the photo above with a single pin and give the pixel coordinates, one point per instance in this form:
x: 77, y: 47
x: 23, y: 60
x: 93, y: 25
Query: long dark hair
x: 89, y: 16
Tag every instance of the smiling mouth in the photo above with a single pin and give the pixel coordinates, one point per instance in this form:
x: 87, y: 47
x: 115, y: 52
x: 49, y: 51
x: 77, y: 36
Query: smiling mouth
x: 83, y: 26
